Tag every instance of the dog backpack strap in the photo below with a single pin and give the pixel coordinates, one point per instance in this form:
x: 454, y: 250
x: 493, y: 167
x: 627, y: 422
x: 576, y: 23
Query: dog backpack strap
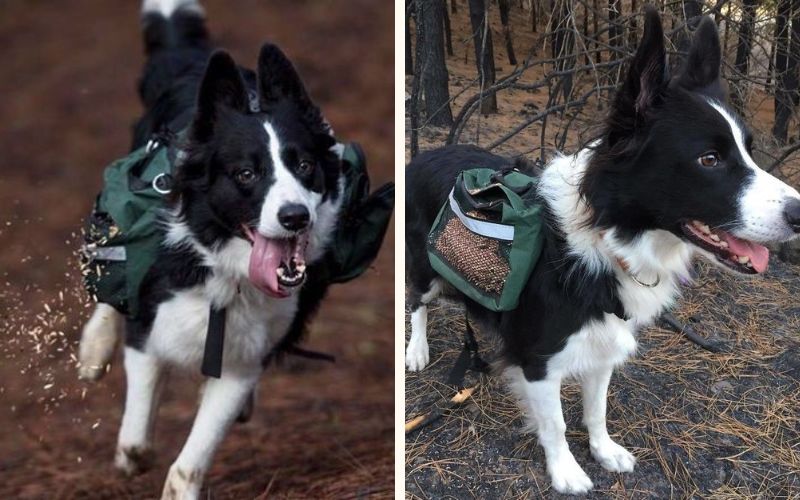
x: 215, y: 342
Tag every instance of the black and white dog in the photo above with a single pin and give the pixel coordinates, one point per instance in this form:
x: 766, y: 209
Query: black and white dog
x: 671, y: 177
x: 255, y: 202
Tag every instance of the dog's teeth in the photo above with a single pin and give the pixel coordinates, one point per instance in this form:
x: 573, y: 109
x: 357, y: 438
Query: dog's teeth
x: 723, y: 244
x: 301, y: 268
x: 715, y: 237
x: 281, y: 272
x: 705, y: 229
x: 743, y: 259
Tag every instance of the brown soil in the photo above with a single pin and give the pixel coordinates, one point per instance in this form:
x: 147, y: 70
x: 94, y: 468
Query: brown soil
x: 68, y: 86
x: 701, y: 424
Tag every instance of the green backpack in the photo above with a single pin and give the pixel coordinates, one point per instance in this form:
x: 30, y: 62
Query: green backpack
x: 487, y: 237
x: 122, y: 234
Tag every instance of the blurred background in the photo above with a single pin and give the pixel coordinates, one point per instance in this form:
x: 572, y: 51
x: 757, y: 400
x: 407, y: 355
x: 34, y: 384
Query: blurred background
x: 68, y: 83
x: 532, y: 77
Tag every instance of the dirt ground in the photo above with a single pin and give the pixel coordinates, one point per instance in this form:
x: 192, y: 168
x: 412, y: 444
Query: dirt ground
x: 701, y: 424
x: 68, y: 86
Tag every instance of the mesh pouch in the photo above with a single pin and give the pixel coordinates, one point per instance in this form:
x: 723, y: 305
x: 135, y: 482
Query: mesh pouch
x: 487, y: 237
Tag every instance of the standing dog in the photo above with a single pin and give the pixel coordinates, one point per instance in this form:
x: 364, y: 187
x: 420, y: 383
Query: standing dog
x: 671, y: 177
x: 255, y: 201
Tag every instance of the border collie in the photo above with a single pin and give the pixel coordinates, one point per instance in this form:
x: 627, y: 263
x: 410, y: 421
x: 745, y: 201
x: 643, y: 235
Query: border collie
x: 672, y: 176
x: 255, y: 201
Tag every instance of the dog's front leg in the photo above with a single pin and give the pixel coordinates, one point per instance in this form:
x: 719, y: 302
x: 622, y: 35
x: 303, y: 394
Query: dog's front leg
x: 542, y: 400
x: 220, y: 405
x: 145, y: 380
x: 611, y: 456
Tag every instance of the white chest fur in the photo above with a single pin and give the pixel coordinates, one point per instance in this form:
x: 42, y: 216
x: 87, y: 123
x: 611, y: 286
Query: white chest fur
x: 655, y: 256
x: 254, y: 323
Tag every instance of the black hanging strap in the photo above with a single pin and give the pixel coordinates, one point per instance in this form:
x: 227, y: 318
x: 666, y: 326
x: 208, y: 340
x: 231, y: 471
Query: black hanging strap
x: 468, y: 359
x: 215, y: 340
x: 309, y: 354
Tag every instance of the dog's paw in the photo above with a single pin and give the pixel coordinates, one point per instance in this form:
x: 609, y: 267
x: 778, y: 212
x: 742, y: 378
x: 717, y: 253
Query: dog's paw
x: 182, y: 484
x: 417, y: 355
x: 91, y: 373
x: 567, y: 476
x: 134, y: 460
x: 612, y: 456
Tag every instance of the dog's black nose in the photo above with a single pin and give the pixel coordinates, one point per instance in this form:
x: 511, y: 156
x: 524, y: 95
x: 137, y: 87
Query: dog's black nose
x: 293, y: 216
x: 791, y: 213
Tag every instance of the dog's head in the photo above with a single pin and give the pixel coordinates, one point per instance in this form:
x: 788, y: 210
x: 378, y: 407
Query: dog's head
x: 264, y: 174
x: 675, y: 156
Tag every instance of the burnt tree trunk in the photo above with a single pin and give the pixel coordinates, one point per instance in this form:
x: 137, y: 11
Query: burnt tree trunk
x: 563, y: 46
x: 779, y: 52
x: 453, y: 7
x: 433, y: 72
x: 598, y: 56
x: 743, y: 48
x: 787, y: 64
x: 409, y: 56
x: 614, y: 28
x: 691, y: 10
x: 505, y: 9
x: 534, y: 17
x: 585, y: 30
x: 448, y: 33
x: 484, y: 53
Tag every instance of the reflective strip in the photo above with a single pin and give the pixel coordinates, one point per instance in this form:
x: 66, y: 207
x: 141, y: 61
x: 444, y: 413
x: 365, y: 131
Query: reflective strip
x: 488, y: 229
x: 116, y: 253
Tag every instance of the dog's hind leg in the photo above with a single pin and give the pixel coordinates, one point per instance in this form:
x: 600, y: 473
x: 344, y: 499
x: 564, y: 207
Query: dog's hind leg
x: 145, y: 376
x: 417, y: 353
x: 98, y: 341
x: 611, y: 456
x: 221, y: 403
x: 541, y: 400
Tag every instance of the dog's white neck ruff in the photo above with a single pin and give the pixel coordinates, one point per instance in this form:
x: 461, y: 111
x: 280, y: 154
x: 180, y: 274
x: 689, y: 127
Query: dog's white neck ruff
x: 655, y: 256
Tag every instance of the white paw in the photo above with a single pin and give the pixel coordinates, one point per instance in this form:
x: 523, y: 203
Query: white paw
x: 417, y: 355
x: 182, y: 484
x: 612, y: 456
x: 567, y: 476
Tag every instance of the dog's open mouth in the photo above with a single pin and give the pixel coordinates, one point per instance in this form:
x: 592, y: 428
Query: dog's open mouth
x: 277, y: 265
x: 740, y: 255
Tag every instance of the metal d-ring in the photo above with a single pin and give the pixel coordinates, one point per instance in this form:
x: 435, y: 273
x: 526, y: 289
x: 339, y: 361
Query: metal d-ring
x: 646, y: 285
x: 162, y: 177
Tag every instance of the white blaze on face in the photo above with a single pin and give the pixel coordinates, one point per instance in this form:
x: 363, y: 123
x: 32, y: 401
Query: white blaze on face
x: 762, y: 201
x: 285, y: 189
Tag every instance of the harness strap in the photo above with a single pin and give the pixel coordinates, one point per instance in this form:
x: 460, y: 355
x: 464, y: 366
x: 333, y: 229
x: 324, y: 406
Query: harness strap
x: 215, y: 341
x: 468, y: 359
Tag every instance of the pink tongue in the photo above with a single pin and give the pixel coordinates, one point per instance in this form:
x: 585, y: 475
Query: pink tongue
x: 264, y: 261
x: 759, y: 254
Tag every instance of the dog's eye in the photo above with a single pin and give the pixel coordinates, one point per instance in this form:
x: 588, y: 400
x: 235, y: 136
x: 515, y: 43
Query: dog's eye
x: 710, y: 159
x: 245, y: 176
x: 306, y: 167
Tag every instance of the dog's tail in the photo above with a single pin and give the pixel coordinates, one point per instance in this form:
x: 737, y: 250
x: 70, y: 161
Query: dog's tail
x: 170, y: 24
x: 98, y: 340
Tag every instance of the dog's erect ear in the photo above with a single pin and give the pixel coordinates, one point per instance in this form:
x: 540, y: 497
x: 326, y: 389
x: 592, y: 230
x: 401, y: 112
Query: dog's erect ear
x: 222, y: 86
x: 278, y: 80
x: 701, y: 69
x: 644, y: 84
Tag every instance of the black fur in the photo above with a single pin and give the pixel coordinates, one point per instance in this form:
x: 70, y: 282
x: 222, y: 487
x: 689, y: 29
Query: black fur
x: 187, y: 86
x: 654, y: 134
